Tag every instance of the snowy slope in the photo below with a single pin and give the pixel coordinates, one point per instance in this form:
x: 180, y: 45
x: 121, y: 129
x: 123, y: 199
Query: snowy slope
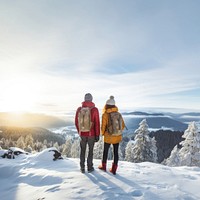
x: 37, y: 177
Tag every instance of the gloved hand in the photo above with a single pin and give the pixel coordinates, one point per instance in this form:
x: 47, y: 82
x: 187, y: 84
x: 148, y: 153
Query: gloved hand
x: 96, y: 138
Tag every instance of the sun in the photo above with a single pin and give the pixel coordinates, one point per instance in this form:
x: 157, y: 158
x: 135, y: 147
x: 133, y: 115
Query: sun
x: 18, y: 97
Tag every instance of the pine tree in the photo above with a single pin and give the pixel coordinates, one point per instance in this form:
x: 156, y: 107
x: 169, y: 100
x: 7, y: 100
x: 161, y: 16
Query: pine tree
x: 7, y: 143
x: 67, y: 148
x: 20, y: 142
x: 29, y: 141
x: 190, y: 151
x: 129, y: 151
x: 144, y: 148
x: 2, y: 143
x: 38, y: 146
x: 45, y: 142
x: 121, y: 157
x: 56, y: 145
x: 98, y: 149
x: 75, y: 150
x: 189, y: 154
x: 174, y: 159
x: 154, y: 150
x: 11, y: 143
x: 122, y: 147
x: 28, y: 149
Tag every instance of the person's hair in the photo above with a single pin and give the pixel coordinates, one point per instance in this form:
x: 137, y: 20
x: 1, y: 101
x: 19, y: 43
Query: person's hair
x: 109, y: 106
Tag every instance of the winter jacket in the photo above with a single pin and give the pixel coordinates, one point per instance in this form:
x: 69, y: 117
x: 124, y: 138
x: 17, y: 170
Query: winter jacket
x: 108, y: 138
x: 95, y: 129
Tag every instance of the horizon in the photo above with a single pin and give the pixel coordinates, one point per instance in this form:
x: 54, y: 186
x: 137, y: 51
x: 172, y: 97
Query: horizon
x: 54, y: 122
x: 163, y: 110
x: 145, y: 54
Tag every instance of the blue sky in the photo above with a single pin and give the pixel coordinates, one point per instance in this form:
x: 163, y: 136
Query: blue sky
x: 145, y: 53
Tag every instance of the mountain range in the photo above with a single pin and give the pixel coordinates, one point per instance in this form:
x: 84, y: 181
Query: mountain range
x: 155, y: 120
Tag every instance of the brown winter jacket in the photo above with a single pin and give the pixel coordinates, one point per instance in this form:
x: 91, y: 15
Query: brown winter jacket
x: 110, y: 139
x: 95, y: 129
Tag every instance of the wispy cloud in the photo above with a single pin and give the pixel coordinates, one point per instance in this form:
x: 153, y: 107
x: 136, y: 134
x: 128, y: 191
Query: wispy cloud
x: 144, y: 53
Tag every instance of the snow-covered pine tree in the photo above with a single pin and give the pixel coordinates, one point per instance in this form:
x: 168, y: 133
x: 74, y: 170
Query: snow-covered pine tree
x: 56, y: 145
x: 154, y: 150
x: 45, y: 142
x: 7, y: 143
x: 121, y: 157
x: 11, y: 143
x: 75, y: 150
x: 29, y: 141
x: 190, y: 152
x: 2, y: 143
x: 173, y: 159
x: 20, y: 142
x: 38, y: 146
x: 67, y: 147
x: 122, y: 147
x: 98, y: 149
x: 129, y: 151
x: 144, y: 148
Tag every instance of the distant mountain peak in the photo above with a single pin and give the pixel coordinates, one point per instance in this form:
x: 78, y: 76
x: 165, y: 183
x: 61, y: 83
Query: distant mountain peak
x: 143, y: 113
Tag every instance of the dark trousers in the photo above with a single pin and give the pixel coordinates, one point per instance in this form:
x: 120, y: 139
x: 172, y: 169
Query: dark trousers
x: 115, y: 153
x: 83, y: 144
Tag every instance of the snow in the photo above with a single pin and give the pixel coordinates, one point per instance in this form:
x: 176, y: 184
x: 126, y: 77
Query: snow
x: 161, y: 128
x: 16, y: 149
x: 189, y: 116
x: 37, y: 176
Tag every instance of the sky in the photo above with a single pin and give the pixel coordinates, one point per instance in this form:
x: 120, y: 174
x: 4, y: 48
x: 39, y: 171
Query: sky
x: 38, y: 177
x: 144, y: 53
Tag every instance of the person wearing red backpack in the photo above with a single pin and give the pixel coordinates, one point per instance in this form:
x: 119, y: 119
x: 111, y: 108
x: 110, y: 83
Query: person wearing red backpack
x: 109, y: 136
x: 88, y: 126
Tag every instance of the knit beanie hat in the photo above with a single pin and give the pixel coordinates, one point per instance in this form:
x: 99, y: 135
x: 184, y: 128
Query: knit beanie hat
x: 88, y: 97
x: 111, y: 101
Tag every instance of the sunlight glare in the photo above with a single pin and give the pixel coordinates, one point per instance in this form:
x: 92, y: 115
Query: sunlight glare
x: 18, y: 97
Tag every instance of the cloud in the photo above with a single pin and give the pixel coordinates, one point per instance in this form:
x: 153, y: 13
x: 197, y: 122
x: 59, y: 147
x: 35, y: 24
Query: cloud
x: 141, y: 52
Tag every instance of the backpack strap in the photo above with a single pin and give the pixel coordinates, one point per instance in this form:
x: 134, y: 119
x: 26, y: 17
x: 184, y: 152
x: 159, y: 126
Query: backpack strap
x: 109, y: 125
x: 91, y: 123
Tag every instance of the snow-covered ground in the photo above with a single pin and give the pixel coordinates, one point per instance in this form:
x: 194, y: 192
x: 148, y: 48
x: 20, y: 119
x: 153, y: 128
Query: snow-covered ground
x: 38, y: 177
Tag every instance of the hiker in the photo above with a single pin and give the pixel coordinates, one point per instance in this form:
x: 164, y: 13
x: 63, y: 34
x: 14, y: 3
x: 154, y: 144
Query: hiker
x: 111, y: 128
x: 88, y: 126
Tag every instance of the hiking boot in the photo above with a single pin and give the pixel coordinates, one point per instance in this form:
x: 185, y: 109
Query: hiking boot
x: 102, y: 167
x: 113, y: 169
x: 91, y: 170
x: 82, y: 170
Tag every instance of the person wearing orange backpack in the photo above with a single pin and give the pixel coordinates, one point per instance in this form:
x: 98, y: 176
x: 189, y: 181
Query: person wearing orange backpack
x: 111, y: 129
x: 88, y: 126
